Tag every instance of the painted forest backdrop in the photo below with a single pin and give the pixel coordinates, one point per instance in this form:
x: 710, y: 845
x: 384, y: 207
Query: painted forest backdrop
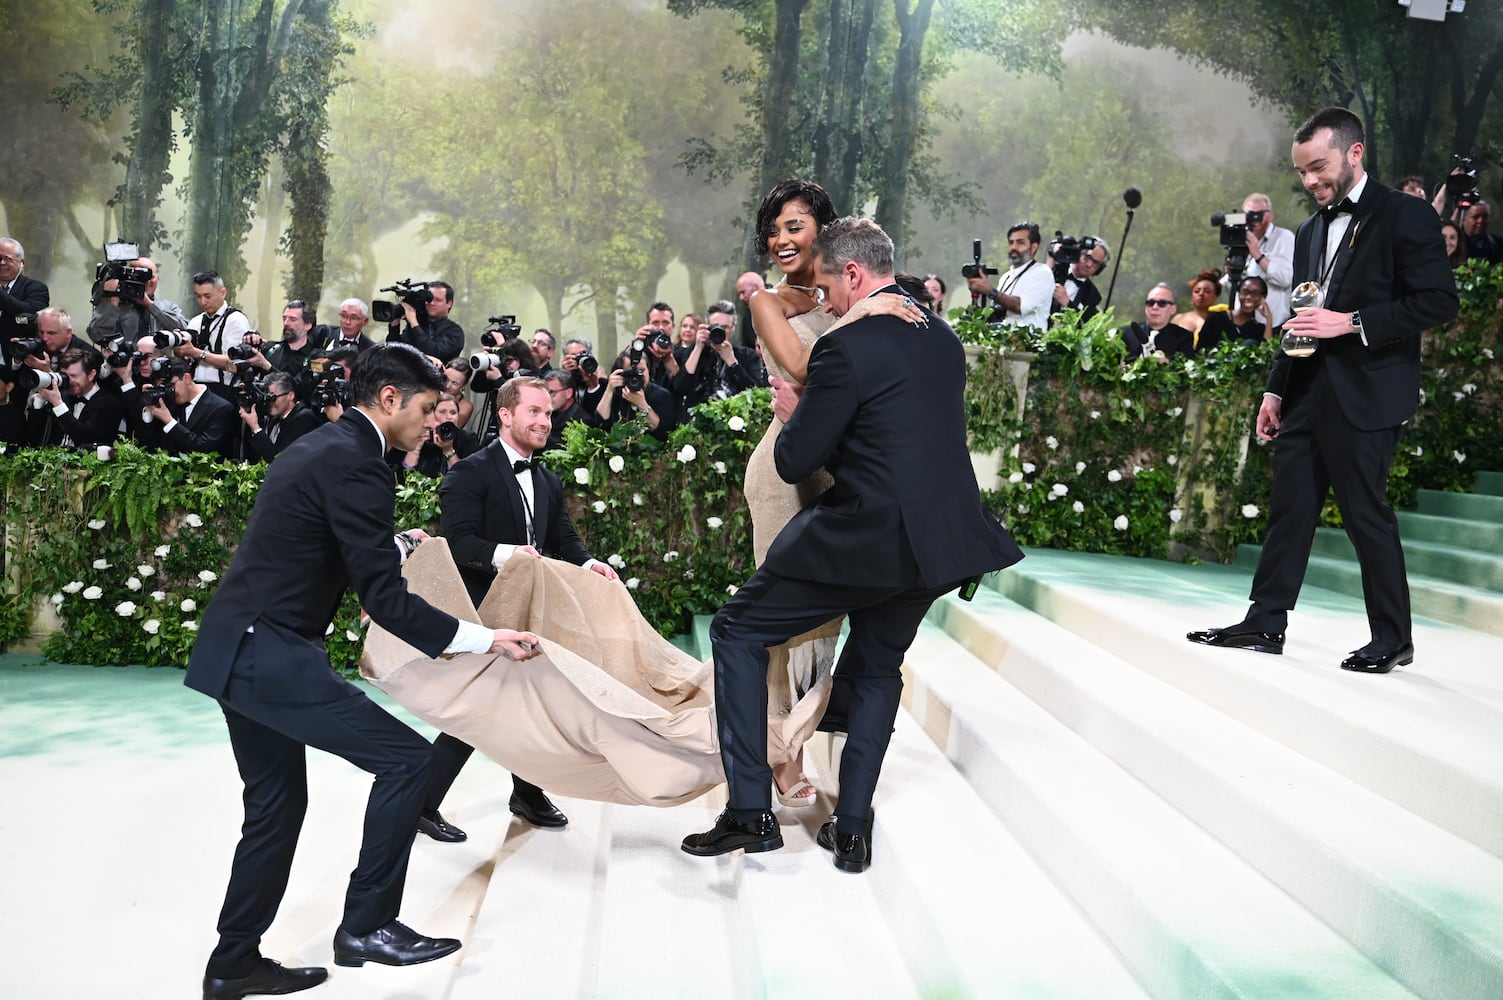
x: 572, y: 161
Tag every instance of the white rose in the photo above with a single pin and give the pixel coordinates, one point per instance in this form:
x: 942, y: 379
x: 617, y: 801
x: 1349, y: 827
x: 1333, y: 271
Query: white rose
x: 74, y: 587
x: 1458, y: 396
x: 1022, y: 509
x: 720, y: 467
x: 96, y: 524
x: 1016, y: 477
x: 188, y: 606
x: 193, y: 521
x: 637, y: 501
x: 1079, y: 467
x: 1114, y: 476
x: 101, y: 564
x: 1095, y: 414
x: 1052, y: 442
x: 93, y: 593
x: 1249, y: 510
x: 162, y: 551
x: 1176, y: 411
x: 1059, y: 489
x: 617, y: 463
x: 736, y: 424
x: 207, y: 576
x: 598, y: 506
x: 125, y: 609
x: 1028, y: 468
x: 1127, y: 404
x: 1460, y: 456
x: 145, y: 570
x: 1172, y: 460
x: 670, y: 555
x: 159, y: 595
x: 582, y: 476
x: 632, y: 583
x: 1418, y: 451
x: 1078, y: 507
x: 132, y: 584
x: 191, y: 626
x: 615, y: 561
x: 330, y: 629
x: 1176, y: 514
x: 152, y: 626
x: 1487, y: 352
x: 1469, y: 388
x: 687, y: 453
x: 56, y: 599
x: 714, y: 522
x: 1120, y: 523
x: 731, y: 589
x: 352, y: 635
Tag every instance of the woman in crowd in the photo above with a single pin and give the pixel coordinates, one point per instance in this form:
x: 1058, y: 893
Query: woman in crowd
x: 1205, y: 288
x: 688, y: 328
x: 937, y: 290
x: 456, y: 374
x: 447, y: 442
x: 1455, y: 245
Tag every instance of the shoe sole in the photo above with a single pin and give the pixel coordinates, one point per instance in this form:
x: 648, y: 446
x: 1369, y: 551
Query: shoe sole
x: 541, y: 826
x: 352, y: 961
x: 754, y: 847
x: 1369, y: 670
x: 1250, y: 647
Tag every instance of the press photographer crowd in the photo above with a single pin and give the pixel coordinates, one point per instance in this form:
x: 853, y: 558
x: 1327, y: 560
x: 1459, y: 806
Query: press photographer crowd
x: 146, y: 372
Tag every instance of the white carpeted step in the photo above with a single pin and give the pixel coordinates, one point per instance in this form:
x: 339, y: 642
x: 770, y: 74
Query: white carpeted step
x: 1428, y: 737
x: 1402, y: 889
x: 1190, y: 917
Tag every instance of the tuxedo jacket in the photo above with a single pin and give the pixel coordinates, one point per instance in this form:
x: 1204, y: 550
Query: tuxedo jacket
x: 481, y: 507
x: 322, y: 523
x: 1393, y: 272
x: 97, y: 423
x: 883, y: 411
x: 26, y: 295
x: 1173, y: 339
x: 299, y: 421
x: 208, y: 428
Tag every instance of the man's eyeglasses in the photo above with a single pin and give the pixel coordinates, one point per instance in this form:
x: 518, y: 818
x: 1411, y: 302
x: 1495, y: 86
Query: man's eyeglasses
x: 1158, y: 302
x: 556, y: 392
x: 6, y: 258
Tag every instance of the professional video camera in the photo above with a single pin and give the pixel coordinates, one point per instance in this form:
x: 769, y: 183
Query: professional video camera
x: 1461, y: 183
x: 1067, y: 251
x: 414, y: 293
x: 500, y: 330
x: 1233, y: 228
x: 116, y: 266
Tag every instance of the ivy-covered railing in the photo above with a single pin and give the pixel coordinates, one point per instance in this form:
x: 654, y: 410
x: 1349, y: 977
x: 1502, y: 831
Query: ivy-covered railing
x: 113, y: 561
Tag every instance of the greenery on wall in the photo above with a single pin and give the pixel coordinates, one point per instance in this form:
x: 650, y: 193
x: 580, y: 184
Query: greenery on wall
x: 1141, y: 459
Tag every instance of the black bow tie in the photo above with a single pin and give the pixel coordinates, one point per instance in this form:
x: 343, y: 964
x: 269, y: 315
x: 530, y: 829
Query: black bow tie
x: 523, y: 464
x: 1343, y: 207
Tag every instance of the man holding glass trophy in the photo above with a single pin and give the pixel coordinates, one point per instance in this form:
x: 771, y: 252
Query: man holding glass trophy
x: 1375, y: 276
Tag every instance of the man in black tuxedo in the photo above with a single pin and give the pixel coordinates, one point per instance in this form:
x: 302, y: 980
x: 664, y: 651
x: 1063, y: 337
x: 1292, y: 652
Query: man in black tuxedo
x: 18, y: 294
x: 496, y: 505
x: 323, y: 523
x: 206, y: 420
x: 1337, y: 413
x: 267, y: 435
x: 883, y: 410
x: 91, y: 414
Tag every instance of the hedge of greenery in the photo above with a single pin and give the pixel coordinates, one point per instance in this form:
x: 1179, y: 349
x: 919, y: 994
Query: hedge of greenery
x: 1140, y: 459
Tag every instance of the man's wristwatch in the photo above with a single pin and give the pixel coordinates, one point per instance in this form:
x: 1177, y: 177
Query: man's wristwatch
x: 1356, y: 322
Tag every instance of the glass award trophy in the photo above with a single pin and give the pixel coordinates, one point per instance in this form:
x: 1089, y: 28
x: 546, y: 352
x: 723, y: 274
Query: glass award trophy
x: 1306, y: 295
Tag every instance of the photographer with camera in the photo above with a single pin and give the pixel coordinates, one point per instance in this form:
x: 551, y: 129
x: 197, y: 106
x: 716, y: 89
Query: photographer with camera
x: 1074, y: 263
x: 55, y: 330
x: 124, y: 296
x: 456, y: 379
x: 589, y: 384
x: 542, y: 349
x: 1024, y: 293
x: 20, y: 296
x: 324, y: 386
x: 1270, y: 254
x: 431, y: 331
x: 278, y: 420
x: 289, y: 355
x: 206, y: 420
x: 443, y: 445
x: 664, y: 362
x: 715, y: 368
x: 630, y: 394
x: 90, y: 414
x: 210, y: 335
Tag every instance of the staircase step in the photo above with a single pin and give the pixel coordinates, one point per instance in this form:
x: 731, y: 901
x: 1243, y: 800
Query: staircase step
x: 1472, y: 506
x: 1189, y: 916
x: 1483, y: 536
x: 1490, y: 483
x: 1472, y: 566
x: 1428, y: 737
x: 1367, y: 867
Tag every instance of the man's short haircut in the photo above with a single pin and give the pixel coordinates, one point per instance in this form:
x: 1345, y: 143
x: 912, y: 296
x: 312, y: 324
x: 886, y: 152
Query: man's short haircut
x: 12, y: 241
x: 552, y: 341
x: 584, y: 341
x: 1346, y: 128
x: 208, y: 278
x: 448, y: 289
x: 854, y: 239
x: 310, y: 314
x: 1412, y: 179
x: 658, y: 307
x: 808, y: 192
x: 1166, y: 287
x: 1254, y: 279
x: 279, y: 382
x: 720, y: 306
x: 60, y: 314
x: 510, y: 393
x: 1105, y: 246
x: 86, y: 356
x: 563, y: 376
x: 1259, y: 196
x: 1032, y: 227
x: 400, y: 366
x: 342, y: 356
x: 365, y: 310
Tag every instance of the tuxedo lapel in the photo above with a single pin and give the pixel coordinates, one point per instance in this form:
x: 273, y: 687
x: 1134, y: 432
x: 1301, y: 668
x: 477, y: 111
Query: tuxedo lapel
x: 1361, y: 219
x: 540, y: 501
x: 516, y: 502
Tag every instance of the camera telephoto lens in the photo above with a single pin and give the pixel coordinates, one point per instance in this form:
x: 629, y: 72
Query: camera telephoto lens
x: 588, y: 364
x: 717, y: 335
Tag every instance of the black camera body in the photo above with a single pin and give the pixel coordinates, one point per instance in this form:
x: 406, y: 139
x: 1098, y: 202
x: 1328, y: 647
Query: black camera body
x: 976, y: 268
x: 27, y: 347
x: 116, y: 266
x: 329, y: 390
x: 588, y: 363
x: 1461, y: 185
x: 118, y: 353
x: 1067, y: 251
x: 717, y: 335
x: 1232, y: 233
x: 163, y: 371
x: 446, y: 431
x: 500, y: 329
x: 661, y: 339
x: 241, y: 352
x: 415, y: 293
x: 633, y: 380
x: 249, y: 393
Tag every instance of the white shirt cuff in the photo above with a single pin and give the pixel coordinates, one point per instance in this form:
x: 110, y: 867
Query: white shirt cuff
x: 503, y: 552
x: 471, y: 638
x: 1274, y: 395
x: 60, y: 409
x: 169, y: 425
x: 588, y: 563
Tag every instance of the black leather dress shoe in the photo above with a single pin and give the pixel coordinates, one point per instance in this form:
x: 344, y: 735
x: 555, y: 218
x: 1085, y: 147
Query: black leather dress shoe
x: 853, y: 851
x: 268, y: 978
x: 440, y: 829
x: 394, y: 944
x: 538, y: 812
x: 1379, y: 662
x: 1237, y: 637
x: 730, y: 834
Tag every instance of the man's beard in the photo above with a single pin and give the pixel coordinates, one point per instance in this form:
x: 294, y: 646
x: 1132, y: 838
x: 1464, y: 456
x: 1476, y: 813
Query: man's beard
x: 1016, y: 256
